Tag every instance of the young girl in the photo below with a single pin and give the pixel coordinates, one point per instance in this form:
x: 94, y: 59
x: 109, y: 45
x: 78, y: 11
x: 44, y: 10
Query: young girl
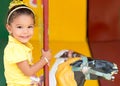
x: 19, y: 69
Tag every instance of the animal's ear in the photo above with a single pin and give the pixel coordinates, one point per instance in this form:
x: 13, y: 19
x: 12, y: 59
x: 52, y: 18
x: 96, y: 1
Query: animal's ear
x: 90, y: 59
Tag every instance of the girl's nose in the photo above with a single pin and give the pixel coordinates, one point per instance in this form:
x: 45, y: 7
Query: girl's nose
x: 25, y: 30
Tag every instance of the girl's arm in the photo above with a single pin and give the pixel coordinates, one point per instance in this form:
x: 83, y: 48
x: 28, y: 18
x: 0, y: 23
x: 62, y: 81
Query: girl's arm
x: 30, y: 70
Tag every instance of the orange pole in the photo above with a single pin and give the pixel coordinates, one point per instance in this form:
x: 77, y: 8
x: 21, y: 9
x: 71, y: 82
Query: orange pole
x: 45, y: 39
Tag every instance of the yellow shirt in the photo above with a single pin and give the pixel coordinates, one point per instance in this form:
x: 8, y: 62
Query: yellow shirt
x: 16, y: 52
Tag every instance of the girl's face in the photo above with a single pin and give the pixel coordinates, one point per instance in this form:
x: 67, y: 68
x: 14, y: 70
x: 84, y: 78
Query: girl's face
x: 21, y: 28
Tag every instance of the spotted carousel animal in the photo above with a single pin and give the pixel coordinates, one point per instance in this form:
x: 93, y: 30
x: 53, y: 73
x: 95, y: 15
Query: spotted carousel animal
x: 73, y: 69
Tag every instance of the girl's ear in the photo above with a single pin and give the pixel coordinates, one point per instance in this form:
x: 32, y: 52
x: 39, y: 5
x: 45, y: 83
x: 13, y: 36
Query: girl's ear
x: 8, y: 27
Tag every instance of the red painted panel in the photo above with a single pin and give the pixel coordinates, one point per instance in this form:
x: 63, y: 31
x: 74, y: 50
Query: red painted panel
x: 103, y: 20
x: 104, y: 33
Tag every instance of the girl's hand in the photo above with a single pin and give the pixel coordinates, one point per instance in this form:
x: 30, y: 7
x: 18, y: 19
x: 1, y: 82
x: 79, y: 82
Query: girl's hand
x: 46, y: 55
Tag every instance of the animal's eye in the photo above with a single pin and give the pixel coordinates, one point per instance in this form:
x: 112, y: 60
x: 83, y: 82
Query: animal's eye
x: 93, y: 62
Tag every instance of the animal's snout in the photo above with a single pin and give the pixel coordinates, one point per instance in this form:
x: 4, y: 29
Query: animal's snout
x: 115, y: 68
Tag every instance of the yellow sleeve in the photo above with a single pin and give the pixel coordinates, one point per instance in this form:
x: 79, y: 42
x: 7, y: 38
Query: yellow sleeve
x: 16, y: 54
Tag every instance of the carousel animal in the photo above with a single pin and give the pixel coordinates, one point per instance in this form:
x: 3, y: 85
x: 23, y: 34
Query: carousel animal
x: 79, y: 68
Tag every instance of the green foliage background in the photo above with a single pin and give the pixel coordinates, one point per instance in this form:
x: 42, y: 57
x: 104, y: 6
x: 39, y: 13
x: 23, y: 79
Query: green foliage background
x: 3, y: 37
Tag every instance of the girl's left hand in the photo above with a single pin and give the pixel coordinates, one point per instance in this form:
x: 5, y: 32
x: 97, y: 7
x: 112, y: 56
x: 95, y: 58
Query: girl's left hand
x: 47, y: 54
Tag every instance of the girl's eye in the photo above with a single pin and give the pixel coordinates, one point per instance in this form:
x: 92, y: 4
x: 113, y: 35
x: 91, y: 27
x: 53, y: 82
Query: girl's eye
x: 19, y: 27
x: 30, y: 27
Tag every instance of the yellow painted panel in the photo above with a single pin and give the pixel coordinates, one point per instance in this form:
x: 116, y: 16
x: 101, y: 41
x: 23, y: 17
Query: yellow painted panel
x: 67, y: 20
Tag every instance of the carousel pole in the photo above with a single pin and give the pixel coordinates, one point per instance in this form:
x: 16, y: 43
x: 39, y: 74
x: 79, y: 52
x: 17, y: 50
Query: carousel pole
x: 45, y: 39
